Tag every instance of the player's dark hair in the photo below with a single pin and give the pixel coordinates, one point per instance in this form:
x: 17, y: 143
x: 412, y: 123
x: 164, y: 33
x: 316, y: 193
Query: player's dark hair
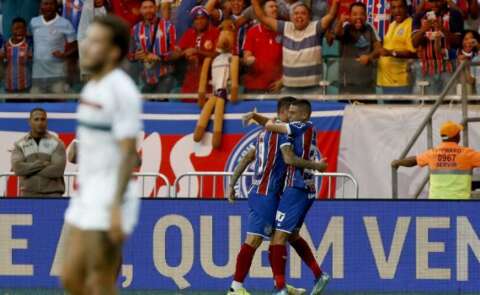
x: 358, y: 4
x: 285, y: 102
x: 37, y: 110
x: 19, y: 20
x: 304, y: 105
x: 119, y: 32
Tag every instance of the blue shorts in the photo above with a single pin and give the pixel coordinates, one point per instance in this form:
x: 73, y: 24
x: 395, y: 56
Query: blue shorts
x: 293, y: 208
x: 261, y: 218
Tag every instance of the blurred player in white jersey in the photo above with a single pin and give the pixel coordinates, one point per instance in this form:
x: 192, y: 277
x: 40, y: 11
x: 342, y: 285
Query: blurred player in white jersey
x: 105, y: 209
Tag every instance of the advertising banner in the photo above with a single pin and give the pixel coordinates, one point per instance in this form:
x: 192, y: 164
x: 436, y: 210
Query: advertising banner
x: 373, y: 246
x: 167, y: 145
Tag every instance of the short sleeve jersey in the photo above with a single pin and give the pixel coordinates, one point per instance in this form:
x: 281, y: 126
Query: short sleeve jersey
x: 49, y: 37
x: 302, y: 137
x: 109, y: 111
x: 269, y: 165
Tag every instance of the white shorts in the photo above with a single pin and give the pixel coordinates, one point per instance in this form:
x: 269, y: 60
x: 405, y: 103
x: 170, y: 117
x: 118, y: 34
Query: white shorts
x: 93, y: 211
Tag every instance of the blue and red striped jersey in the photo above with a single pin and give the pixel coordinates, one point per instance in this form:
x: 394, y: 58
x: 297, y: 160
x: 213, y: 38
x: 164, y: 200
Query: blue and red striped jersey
x: 18, y: 69
x: 72, y: 10
x: 164, y: 44
x: 378, y: 15
x: 270, y: 168
x: 303, y: 139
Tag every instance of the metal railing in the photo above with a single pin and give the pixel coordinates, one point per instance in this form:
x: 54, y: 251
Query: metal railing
x: 427, y: 122
x: 147, y: 181
x: 214, y: 184
x: 317, y: 97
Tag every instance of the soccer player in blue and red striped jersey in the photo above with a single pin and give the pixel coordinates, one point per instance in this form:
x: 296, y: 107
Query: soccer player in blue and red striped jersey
x: 271, y: 153
x: 17, y: 53
x: 299, y: 194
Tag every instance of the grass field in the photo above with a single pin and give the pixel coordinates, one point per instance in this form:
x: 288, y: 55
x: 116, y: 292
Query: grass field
x: 59, y: 292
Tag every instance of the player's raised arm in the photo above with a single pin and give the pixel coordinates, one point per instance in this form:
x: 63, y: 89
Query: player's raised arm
x: 291, y: 159
x: 247, y: 160
x: 277, y: 127
x: 264, y: 19
x: 261, y: 120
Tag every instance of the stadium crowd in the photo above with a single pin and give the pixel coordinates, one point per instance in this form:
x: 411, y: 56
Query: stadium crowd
x: 288, y: 46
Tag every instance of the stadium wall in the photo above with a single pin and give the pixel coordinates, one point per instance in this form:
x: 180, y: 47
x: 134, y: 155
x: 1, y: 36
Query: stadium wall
x: 167, y: 145
x: 367, y: 246
x: 360, y: 140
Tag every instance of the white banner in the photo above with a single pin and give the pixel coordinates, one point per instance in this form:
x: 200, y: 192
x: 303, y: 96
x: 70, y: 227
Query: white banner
x: 373, y: 136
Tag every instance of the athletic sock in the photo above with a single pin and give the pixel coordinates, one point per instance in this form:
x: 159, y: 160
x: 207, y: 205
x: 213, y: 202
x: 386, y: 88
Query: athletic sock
x: 278, y: 261
x: 244, y: 261
x: 236, y: 285
x: 304, y: 251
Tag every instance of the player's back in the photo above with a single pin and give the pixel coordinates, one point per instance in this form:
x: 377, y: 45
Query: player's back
x: 270, y: 168
x: 109, y: 110
x: 302, y: 137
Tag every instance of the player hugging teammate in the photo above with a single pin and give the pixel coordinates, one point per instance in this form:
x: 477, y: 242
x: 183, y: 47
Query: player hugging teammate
x: 282, y: 192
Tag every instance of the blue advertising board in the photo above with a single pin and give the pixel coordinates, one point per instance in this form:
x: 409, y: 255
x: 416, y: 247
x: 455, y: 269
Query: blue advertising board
x: 366, y: 246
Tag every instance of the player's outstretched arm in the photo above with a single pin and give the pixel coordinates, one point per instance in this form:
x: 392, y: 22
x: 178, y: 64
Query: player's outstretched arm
x: 407, y: 162
x: 276, y: 127
x: 262, y: 120
x: 249, y: 158
x: 291, y: 159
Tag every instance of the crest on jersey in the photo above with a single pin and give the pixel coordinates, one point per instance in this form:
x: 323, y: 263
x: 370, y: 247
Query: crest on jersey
x: 244, y: 146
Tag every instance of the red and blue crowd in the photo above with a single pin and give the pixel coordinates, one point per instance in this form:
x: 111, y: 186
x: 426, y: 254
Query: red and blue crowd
x: 286, y: 46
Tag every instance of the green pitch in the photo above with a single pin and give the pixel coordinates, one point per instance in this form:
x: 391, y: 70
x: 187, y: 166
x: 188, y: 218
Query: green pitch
x: 58, y: 292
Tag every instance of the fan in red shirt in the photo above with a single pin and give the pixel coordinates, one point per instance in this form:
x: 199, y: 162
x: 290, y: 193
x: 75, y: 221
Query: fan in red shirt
x: 197, y: 43
x: 128, y: 10
x: 263, y: 56
x: 344, y: 7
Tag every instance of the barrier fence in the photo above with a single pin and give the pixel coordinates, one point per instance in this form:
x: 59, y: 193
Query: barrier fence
x: 201, y: 185
x: 145, y: 180
x: 208, y: 184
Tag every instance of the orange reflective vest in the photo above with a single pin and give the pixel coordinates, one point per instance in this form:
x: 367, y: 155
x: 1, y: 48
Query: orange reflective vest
x: 451, y: 168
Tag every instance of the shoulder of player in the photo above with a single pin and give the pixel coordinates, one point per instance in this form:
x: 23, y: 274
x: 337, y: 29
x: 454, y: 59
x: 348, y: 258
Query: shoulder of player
x: 120, y: 79
x: 123, y: 85
x: 299, y: 124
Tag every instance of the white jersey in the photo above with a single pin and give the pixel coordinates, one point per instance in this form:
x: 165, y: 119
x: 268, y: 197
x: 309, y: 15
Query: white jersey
x: 109, y: 111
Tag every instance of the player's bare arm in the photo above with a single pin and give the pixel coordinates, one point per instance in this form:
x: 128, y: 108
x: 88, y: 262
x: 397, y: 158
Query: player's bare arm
x: 276, y: 127
x: 128, y: 160
x: 261, y: 120
x: 291, y: 159
x: 244, y: 163
x: 407, y: 162
x: 264, y: 19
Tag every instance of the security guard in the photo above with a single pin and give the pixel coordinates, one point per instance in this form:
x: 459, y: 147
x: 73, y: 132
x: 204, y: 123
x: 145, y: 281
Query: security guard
x: 39, y: 159
x: 450, y: 165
